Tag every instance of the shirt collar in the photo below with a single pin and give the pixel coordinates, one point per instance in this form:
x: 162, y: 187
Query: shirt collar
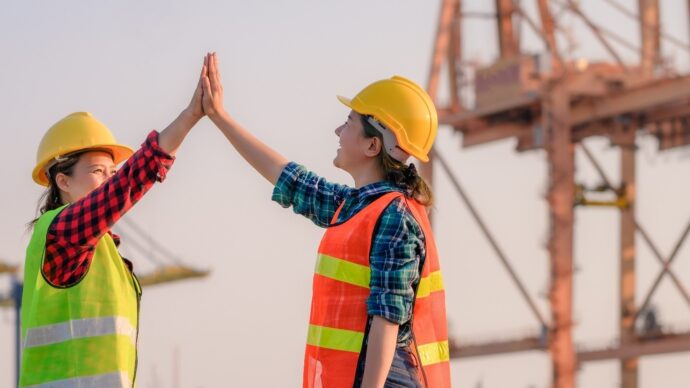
x: 374, y: 189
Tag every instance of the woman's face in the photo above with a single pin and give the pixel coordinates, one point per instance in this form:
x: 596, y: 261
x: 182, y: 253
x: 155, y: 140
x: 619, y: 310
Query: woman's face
x: 92, y: 169
x: 353, y: 143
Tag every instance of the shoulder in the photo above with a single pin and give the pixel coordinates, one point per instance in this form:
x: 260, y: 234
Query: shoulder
x: 398, y: 218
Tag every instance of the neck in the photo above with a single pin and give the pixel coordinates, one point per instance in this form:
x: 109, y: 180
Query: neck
x: 368, y: 174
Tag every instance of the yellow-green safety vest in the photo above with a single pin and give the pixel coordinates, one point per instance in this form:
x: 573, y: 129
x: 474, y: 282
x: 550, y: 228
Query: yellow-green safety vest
x: 84, y: 335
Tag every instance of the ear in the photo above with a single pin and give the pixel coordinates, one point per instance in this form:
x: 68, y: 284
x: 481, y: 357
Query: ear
x: 62, y: 182
x: 373, y: 147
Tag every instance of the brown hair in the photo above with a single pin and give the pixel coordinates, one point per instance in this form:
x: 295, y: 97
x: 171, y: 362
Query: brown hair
x: 51, y: 197
x: 402, y: 175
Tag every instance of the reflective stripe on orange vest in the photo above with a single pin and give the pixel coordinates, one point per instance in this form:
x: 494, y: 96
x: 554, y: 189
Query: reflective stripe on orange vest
x: 338, y: 313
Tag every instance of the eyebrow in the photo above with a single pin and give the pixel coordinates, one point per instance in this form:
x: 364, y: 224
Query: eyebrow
x: 101, y: 165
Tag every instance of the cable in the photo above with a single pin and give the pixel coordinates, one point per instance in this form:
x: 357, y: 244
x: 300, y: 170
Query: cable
x: 636, y: 17
x: 151, y: 241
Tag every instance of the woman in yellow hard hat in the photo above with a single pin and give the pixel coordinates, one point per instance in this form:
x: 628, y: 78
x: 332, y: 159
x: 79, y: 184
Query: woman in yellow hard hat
x: 80, y: 304
x: 378, y: 304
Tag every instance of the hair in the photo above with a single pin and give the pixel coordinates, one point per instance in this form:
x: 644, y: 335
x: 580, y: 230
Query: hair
x: 51, y: 197
x: 402, y: 175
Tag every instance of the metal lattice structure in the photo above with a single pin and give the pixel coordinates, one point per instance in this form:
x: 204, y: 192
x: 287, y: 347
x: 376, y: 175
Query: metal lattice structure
x: 547, y: 102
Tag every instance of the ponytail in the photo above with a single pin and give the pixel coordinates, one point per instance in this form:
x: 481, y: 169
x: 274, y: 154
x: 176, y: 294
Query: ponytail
x: 400, y: 174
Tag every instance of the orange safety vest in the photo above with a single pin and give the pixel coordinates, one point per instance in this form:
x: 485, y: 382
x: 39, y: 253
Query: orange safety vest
x: 340, y: 289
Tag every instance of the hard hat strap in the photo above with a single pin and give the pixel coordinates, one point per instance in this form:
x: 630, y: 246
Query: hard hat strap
x: 390, y: 142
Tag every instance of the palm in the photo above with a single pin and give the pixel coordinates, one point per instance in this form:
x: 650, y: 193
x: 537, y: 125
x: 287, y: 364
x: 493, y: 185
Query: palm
x: 212, y: 100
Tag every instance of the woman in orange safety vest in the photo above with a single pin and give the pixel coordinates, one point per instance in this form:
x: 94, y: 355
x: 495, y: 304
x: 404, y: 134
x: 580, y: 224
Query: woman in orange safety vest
x: 378, y: 310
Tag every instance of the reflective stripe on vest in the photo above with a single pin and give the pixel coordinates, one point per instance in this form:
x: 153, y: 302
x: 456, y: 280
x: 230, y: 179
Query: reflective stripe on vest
x: 108, y: 380
x: 344, y: 271
x: 433, y: 353
x: 359, y: 275
x: 431, y: 283
x: 79, y: 328
x: 336, y: 339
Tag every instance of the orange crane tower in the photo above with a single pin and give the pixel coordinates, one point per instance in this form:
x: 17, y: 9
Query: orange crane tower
x: 548, y: 103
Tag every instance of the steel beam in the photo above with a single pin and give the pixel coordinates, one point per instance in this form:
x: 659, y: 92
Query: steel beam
x: 482, y: 134
x: 561, y: 197
x: 649, y: 36
x: 629, y: 366
x: 442, y: 41
x: 170, y: 273
x: 507, y: 44
x: 455, y: 58
x: 637, y: 100
x: 499, y: 347
x: 663, y: 345
x: 643, y: 99
x: 549, y: 28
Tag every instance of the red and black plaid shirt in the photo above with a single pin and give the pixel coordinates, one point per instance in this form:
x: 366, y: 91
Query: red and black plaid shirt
x: 74, y: 233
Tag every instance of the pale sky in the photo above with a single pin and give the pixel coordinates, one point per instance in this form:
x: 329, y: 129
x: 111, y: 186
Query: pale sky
x: 134, y: 65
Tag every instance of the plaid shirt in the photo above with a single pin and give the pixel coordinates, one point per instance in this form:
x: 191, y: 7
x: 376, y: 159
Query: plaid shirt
x: 72, y: 236
x: 398, y: 247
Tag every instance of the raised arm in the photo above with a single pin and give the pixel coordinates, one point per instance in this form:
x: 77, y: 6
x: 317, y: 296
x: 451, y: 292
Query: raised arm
x: 263, y: 158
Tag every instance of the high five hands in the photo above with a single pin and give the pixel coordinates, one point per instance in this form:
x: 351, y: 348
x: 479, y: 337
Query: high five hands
x: 208, y: 95
x: 207, y: 99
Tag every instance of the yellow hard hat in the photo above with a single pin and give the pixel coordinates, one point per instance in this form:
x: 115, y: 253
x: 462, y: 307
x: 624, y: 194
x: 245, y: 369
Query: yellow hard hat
x: 76, y: 132
x: 404, y: 108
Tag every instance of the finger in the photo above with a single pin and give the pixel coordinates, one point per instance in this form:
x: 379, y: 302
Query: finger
x: 212, y: 67
x: 207, y: 87
x: 215, y: 80
x: 216, y: 65
x: 201, y: 75
x: 210, y: 71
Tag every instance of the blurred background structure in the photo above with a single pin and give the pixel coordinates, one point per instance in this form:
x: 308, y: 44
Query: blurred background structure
x: 553, y: 102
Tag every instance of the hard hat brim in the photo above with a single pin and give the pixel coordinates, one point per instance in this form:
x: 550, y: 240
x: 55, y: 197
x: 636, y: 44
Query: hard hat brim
x: 119, y: 152
x: 346, y: 101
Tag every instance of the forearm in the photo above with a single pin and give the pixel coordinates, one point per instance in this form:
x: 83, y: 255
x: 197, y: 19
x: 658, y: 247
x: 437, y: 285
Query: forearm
x: 380, y: 351
x: 86, y: 220
x: 173, y: 135
x: 268, y: 162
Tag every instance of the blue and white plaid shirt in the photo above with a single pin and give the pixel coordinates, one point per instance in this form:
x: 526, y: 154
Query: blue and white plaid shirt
x: 398, y: 247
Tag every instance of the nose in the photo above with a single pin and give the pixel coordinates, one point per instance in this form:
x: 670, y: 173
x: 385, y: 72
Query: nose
x: 338, y: 130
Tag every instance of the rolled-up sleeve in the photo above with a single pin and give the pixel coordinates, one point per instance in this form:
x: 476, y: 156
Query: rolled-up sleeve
x: 396, y: 256
x: 309, y: 194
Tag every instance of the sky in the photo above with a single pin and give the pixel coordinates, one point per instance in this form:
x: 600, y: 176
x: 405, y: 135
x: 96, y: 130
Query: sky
x: 134, y: 66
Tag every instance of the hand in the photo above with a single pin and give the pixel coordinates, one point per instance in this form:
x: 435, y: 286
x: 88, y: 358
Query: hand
x: 213, y: 89
x: 195, y: 109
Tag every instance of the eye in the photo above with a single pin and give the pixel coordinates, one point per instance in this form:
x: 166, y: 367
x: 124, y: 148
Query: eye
x: 112, y: 172
x: 97, y: 170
